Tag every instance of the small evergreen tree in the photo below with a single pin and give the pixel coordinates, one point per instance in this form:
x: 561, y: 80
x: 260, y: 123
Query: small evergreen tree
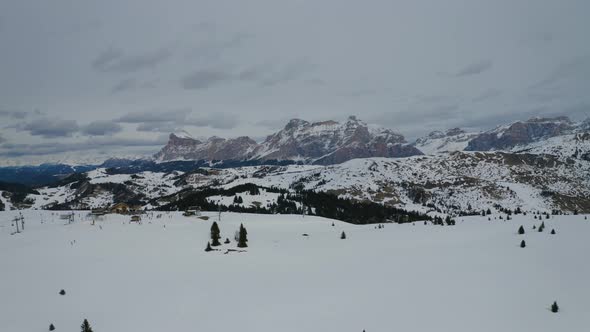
x: 51, y: 327
x: 242, y: 237
x: 208, y: 248
x: 489, y: 211
x: 85, y: 327
x: 215, y: 234
x: 522, y: 244
x: 553, y: 231
x: 554, y: 307
x: 226, y: 241
x: 62, y: 292
x: 534, y: 227
x: 343, y: 235
x: 521, y: 230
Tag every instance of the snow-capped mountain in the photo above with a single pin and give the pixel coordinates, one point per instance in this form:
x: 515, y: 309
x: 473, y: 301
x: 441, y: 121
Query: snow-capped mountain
x: 543, y: 164
x: 521, y: 133
x: 455, y: 139
x: 215, y: 148
x: 327, y: 142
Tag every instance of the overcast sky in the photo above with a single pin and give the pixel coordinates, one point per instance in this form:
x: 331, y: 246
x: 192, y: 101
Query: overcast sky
x: 115, y: 77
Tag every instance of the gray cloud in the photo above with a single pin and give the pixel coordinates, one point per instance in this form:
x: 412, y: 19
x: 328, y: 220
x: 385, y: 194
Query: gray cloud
x: 101, y: 128
x: 51, y: 127
x: 202, y: 79
x: 276, y: 123
x: 177, y: 115
x: 215, y: 120
x: 131, y: 84
x: 577, y: 67
x: 581, y: 110
x: 434, y: 99
x: 265, y: 74
x: 475, y: 68
x: 19, y: 150
x: 158, y: 127
x: 487, y: 95
x: 215, y: 49
x: 290, y: 72
x: 255, y: 73
x: 114, y: 60
x: 125, y: 85
x: 17, y: 114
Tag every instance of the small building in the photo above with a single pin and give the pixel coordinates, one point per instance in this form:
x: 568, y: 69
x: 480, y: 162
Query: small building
x: 192, y: 211
x: 136, y: 218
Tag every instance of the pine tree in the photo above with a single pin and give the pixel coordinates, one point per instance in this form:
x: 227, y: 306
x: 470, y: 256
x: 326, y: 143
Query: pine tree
x: 554, y: 307
x: 215, y: 234
x: 522, y: 244
x: 521, y: 230
x: 489, y: 211
x: 343, y: 235
x: 51, y: 327
x: 208, y: 247
x: 553, y: 231
x: 242, y: 237
x: 62, y: 292
x: 85, y: 327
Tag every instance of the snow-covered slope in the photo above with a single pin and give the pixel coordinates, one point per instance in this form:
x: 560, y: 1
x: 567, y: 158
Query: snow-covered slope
x: 455, y: 139
x: 459, y: 181
x: 576, y: 146
x: 156, y: 276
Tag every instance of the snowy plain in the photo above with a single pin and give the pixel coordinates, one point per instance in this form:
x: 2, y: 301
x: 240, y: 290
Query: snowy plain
x: 156, y: 276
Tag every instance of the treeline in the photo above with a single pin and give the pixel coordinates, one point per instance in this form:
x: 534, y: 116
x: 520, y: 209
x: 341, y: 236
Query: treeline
x: 301, y: 202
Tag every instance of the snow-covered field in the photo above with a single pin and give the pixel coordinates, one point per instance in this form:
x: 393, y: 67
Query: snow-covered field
x: 157, y: 277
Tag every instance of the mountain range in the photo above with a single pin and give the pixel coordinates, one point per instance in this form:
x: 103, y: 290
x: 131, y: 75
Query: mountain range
x: 541, y: 164
x: 330, y: 142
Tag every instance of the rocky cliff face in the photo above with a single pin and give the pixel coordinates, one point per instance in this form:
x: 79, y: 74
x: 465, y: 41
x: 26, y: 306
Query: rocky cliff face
x: 521, y: 133
x: 327, y: 142
x: 215, y: 148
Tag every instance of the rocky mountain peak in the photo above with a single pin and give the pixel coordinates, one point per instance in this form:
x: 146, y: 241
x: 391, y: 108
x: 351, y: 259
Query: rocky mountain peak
x: 455, y: 132
x: 323, y: 142
x: 296, y: 123
x: 521, y: 133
